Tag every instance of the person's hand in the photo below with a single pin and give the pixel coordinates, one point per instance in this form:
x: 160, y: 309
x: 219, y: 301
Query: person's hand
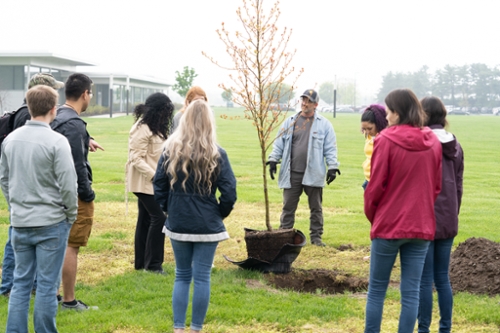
x: 331, y: 175
x: 272, y: 168
x: 93, y: 146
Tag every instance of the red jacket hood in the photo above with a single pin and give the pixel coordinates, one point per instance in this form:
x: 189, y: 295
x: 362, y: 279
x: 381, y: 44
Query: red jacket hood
x: 409, y: 137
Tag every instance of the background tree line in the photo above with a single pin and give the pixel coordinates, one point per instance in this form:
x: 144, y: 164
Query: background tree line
x: 475, y: 85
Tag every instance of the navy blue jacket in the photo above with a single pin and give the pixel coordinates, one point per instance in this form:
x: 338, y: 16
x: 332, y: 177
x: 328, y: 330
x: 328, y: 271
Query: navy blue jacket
x: 69, y: 124
x: 447, y: 205
x: 195, y: 217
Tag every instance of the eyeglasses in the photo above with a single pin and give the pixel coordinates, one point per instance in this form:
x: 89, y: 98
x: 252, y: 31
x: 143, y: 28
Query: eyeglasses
x: 90, y: 93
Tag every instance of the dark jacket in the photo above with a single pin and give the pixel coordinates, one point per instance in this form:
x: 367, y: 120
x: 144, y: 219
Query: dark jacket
x: 404, y: 184
x: 69, y: 124
x: 447, y: 206
x: 193, y: 216
x: 22, y: 115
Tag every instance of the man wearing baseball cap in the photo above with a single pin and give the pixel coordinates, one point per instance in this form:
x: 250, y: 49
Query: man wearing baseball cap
x: 305, y: 143
x: 45, y: 79
x: 20, y: 118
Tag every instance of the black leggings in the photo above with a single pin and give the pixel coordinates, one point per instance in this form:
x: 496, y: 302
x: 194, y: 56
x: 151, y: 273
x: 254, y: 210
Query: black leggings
x: 149, y: 239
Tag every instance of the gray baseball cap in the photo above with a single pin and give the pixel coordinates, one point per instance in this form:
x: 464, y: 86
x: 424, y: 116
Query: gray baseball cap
x: 312, y: 95
x: 45, y: 79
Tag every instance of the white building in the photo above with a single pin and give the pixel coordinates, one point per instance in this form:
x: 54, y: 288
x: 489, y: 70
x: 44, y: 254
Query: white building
x: 116, y: 91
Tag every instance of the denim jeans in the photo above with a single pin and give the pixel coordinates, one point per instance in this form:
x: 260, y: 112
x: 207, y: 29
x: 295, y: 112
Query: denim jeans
x: 193, y: 261
x: 8, y: 264
x: 383, y: 254
x: 43, y: 249
x: 436, y: 269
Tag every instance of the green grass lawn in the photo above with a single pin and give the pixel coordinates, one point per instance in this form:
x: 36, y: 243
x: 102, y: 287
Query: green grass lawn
x: 241, y: 301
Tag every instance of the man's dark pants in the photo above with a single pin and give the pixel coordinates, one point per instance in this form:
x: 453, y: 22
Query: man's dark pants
x: 291, y: 198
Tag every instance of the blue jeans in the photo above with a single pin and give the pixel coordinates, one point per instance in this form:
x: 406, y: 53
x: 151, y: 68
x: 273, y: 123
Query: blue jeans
x: 193, y: 261
x: 41, y: 249
x: 8, y: 264
x: 383, y: 254
x: 436, y: 269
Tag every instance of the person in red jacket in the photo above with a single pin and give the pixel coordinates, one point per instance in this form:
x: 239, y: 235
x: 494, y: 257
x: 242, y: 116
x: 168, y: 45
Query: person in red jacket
x: 446, y: 208
x: 399, y: 203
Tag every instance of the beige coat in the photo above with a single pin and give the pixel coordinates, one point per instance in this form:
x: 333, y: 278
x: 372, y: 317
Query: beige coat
x: 144, y: 151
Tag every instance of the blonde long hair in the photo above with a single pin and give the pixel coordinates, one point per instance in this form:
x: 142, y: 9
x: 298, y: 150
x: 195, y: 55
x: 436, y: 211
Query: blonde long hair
x: 192, y: 148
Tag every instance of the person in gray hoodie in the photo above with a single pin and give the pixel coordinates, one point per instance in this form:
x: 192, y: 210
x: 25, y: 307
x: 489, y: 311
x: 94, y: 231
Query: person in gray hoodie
x: 446, y: 209
x: 38, y: 179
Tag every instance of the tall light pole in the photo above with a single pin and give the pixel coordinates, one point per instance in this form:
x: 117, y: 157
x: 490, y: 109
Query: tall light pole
x: 335, y: 97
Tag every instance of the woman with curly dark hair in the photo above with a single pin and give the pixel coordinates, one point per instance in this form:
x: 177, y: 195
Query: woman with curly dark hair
x: 153, y: 121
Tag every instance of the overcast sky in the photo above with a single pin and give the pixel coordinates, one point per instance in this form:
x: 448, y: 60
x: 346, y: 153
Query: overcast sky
x: 355, y: 39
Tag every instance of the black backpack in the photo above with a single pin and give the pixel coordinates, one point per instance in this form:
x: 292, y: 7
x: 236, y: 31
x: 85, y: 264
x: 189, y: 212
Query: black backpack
x: 7, y: 124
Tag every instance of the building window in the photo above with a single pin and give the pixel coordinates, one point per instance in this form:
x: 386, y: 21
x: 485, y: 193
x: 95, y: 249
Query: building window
x: 12, y: 77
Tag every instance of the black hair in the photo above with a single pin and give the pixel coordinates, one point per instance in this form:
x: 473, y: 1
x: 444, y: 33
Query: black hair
x: 375, y: 114
x: 76, y: 85
x: 157, y: 113
x: 435, y: 111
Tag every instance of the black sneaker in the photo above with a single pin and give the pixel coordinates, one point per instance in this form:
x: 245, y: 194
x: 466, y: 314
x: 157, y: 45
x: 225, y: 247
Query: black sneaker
x: 318, y: 242
x: 79, y: 306
x: 158, y: 271
x: 59, y: 299
x: 6, y: 294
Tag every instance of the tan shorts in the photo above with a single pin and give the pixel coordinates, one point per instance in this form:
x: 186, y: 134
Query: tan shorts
x: 80, y: 231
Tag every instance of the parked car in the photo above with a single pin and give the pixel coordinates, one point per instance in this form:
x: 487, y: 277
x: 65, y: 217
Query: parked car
x: 361, y: 109
x: 460, y: 111
x: 281, y: 107
x: 473, y: 110
x: 345, y: 110
x: 449, y: 108
x: 485, y: 110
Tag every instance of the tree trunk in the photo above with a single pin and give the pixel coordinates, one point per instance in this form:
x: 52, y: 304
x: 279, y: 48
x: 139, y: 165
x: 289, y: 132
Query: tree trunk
x: 266, y: 195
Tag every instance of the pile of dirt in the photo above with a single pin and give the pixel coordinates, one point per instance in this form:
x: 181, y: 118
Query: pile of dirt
x: 475, y: 267
x: 317, y: 280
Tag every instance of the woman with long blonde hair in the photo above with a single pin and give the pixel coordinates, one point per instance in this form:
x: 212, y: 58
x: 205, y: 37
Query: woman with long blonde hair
x: 190, y: 171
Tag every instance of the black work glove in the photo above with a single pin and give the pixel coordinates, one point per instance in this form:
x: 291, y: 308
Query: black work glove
x: 331, y: 175
x: 272, y: 168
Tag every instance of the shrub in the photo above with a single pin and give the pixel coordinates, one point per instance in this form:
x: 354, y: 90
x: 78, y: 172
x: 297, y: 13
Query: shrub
x: 95, y: 110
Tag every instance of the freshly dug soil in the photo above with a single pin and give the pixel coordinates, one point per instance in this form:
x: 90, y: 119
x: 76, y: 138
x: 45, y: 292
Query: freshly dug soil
x: 475, y: 267
x: 312, y: 281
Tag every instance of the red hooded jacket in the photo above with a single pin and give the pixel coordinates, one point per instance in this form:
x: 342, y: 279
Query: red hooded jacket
x: 404, y: 184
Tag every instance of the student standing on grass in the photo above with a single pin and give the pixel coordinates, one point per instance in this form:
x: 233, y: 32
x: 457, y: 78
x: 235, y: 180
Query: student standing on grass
x: 446, y: 208
x: 38, y: 179
x: 399, y: 203
x: 373, y: 120
x: 190, y: 171
x: 194, y: 93
x: 78, y: 90
x: 153, y: 121
x: 20, y: 118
